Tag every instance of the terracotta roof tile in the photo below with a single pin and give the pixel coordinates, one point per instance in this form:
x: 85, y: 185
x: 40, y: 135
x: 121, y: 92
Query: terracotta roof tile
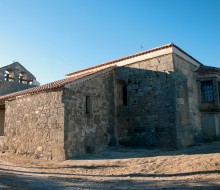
x: 208, y: 69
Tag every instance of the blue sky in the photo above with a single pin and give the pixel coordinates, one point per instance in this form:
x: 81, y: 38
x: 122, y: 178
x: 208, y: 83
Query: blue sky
x: 54, y: 37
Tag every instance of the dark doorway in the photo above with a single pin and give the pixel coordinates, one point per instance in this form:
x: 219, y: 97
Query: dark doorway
x: 122, y: 93
x: 2, y: 119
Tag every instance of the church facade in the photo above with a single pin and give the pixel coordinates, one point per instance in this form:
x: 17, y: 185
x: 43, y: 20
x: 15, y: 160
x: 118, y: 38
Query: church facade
x: 159, y: 97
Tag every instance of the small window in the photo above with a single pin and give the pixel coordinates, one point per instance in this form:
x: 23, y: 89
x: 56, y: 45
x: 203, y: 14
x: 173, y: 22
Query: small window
x: 207, y: 91
x: 122, y: 93
x: 88, y: 105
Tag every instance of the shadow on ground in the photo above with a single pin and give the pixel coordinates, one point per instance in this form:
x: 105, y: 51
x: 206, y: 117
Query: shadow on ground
x: 125, y: 152
x: 24, y: 181
x: 71, y: 176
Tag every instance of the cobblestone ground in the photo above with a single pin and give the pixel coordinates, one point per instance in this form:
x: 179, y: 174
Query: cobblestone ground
x: 196, y: 167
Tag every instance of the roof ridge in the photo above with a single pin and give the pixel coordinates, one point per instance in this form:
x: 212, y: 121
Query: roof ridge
x: 186, y: 53
x: 123, y: 58
x: 133, y: 55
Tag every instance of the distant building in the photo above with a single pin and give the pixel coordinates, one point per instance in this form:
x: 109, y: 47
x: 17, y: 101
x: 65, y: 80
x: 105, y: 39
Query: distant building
x: 159, y: 97
x: 15, y: 77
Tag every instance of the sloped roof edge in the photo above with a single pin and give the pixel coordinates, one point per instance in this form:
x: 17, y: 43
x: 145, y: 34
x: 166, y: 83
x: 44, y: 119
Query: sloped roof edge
x: 208, y: 69
x: 20, y: 66
x: 132, y: 56
x: 54, y: 85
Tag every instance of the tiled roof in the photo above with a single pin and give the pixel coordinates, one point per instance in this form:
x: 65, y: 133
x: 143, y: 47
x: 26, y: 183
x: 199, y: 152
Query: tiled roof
x: 110, y: 63
x: 49, y: 86
x: 208, y: 69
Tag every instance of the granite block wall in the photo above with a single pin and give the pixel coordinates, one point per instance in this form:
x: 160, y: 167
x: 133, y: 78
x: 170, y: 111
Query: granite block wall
x: 188, y: 70
x: 2, y: 121
x: 34, y: 125
x: 183, y: 128
x: 89, y: 115
x: 7, y: 87
x: 149, y: 116
x: 210, y: 124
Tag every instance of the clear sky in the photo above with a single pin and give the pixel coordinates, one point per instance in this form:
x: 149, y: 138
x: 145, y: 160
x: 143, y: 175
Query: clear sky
x: 54, y: 37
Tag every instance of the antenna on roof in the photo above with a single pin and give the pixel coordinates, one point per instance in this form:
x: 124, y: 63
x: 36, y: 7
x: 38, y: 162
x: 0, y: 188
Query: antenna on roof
x: 141, y: 47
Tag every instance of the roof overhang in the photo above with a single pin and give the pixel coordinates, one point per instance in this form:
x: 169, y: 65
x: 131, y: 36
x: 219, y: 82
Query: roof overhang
x: 176, y: 50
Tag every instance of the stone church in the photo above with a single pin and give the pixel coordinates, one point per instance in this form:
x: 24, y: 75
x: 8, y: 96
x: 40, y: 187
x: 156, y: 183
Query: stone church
x: 158, y: 97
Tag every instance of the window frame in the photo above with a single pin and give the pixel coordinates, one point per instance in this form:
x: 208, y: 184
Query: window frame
x: 205, y: 93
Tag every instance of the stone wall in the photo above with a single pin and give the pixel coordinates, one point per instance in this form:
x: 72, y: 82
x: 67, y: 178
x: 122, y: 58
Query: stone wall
x: 183, y: 128
x: 210, y: 124
x: 188, y: 70
x: 2, y: 121
x: 3, y: 144
x: 34, y: 125
x: 187, y: 107
x: 89, y: 128
x: 149, y: 116
x: 7, y: 87
x: 2, y: 138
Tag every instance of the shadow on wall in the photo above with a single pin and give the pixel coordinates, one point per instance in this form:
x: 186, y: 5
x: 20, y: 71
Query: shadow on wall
x: 127, y: 152
x: 150, y: 112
